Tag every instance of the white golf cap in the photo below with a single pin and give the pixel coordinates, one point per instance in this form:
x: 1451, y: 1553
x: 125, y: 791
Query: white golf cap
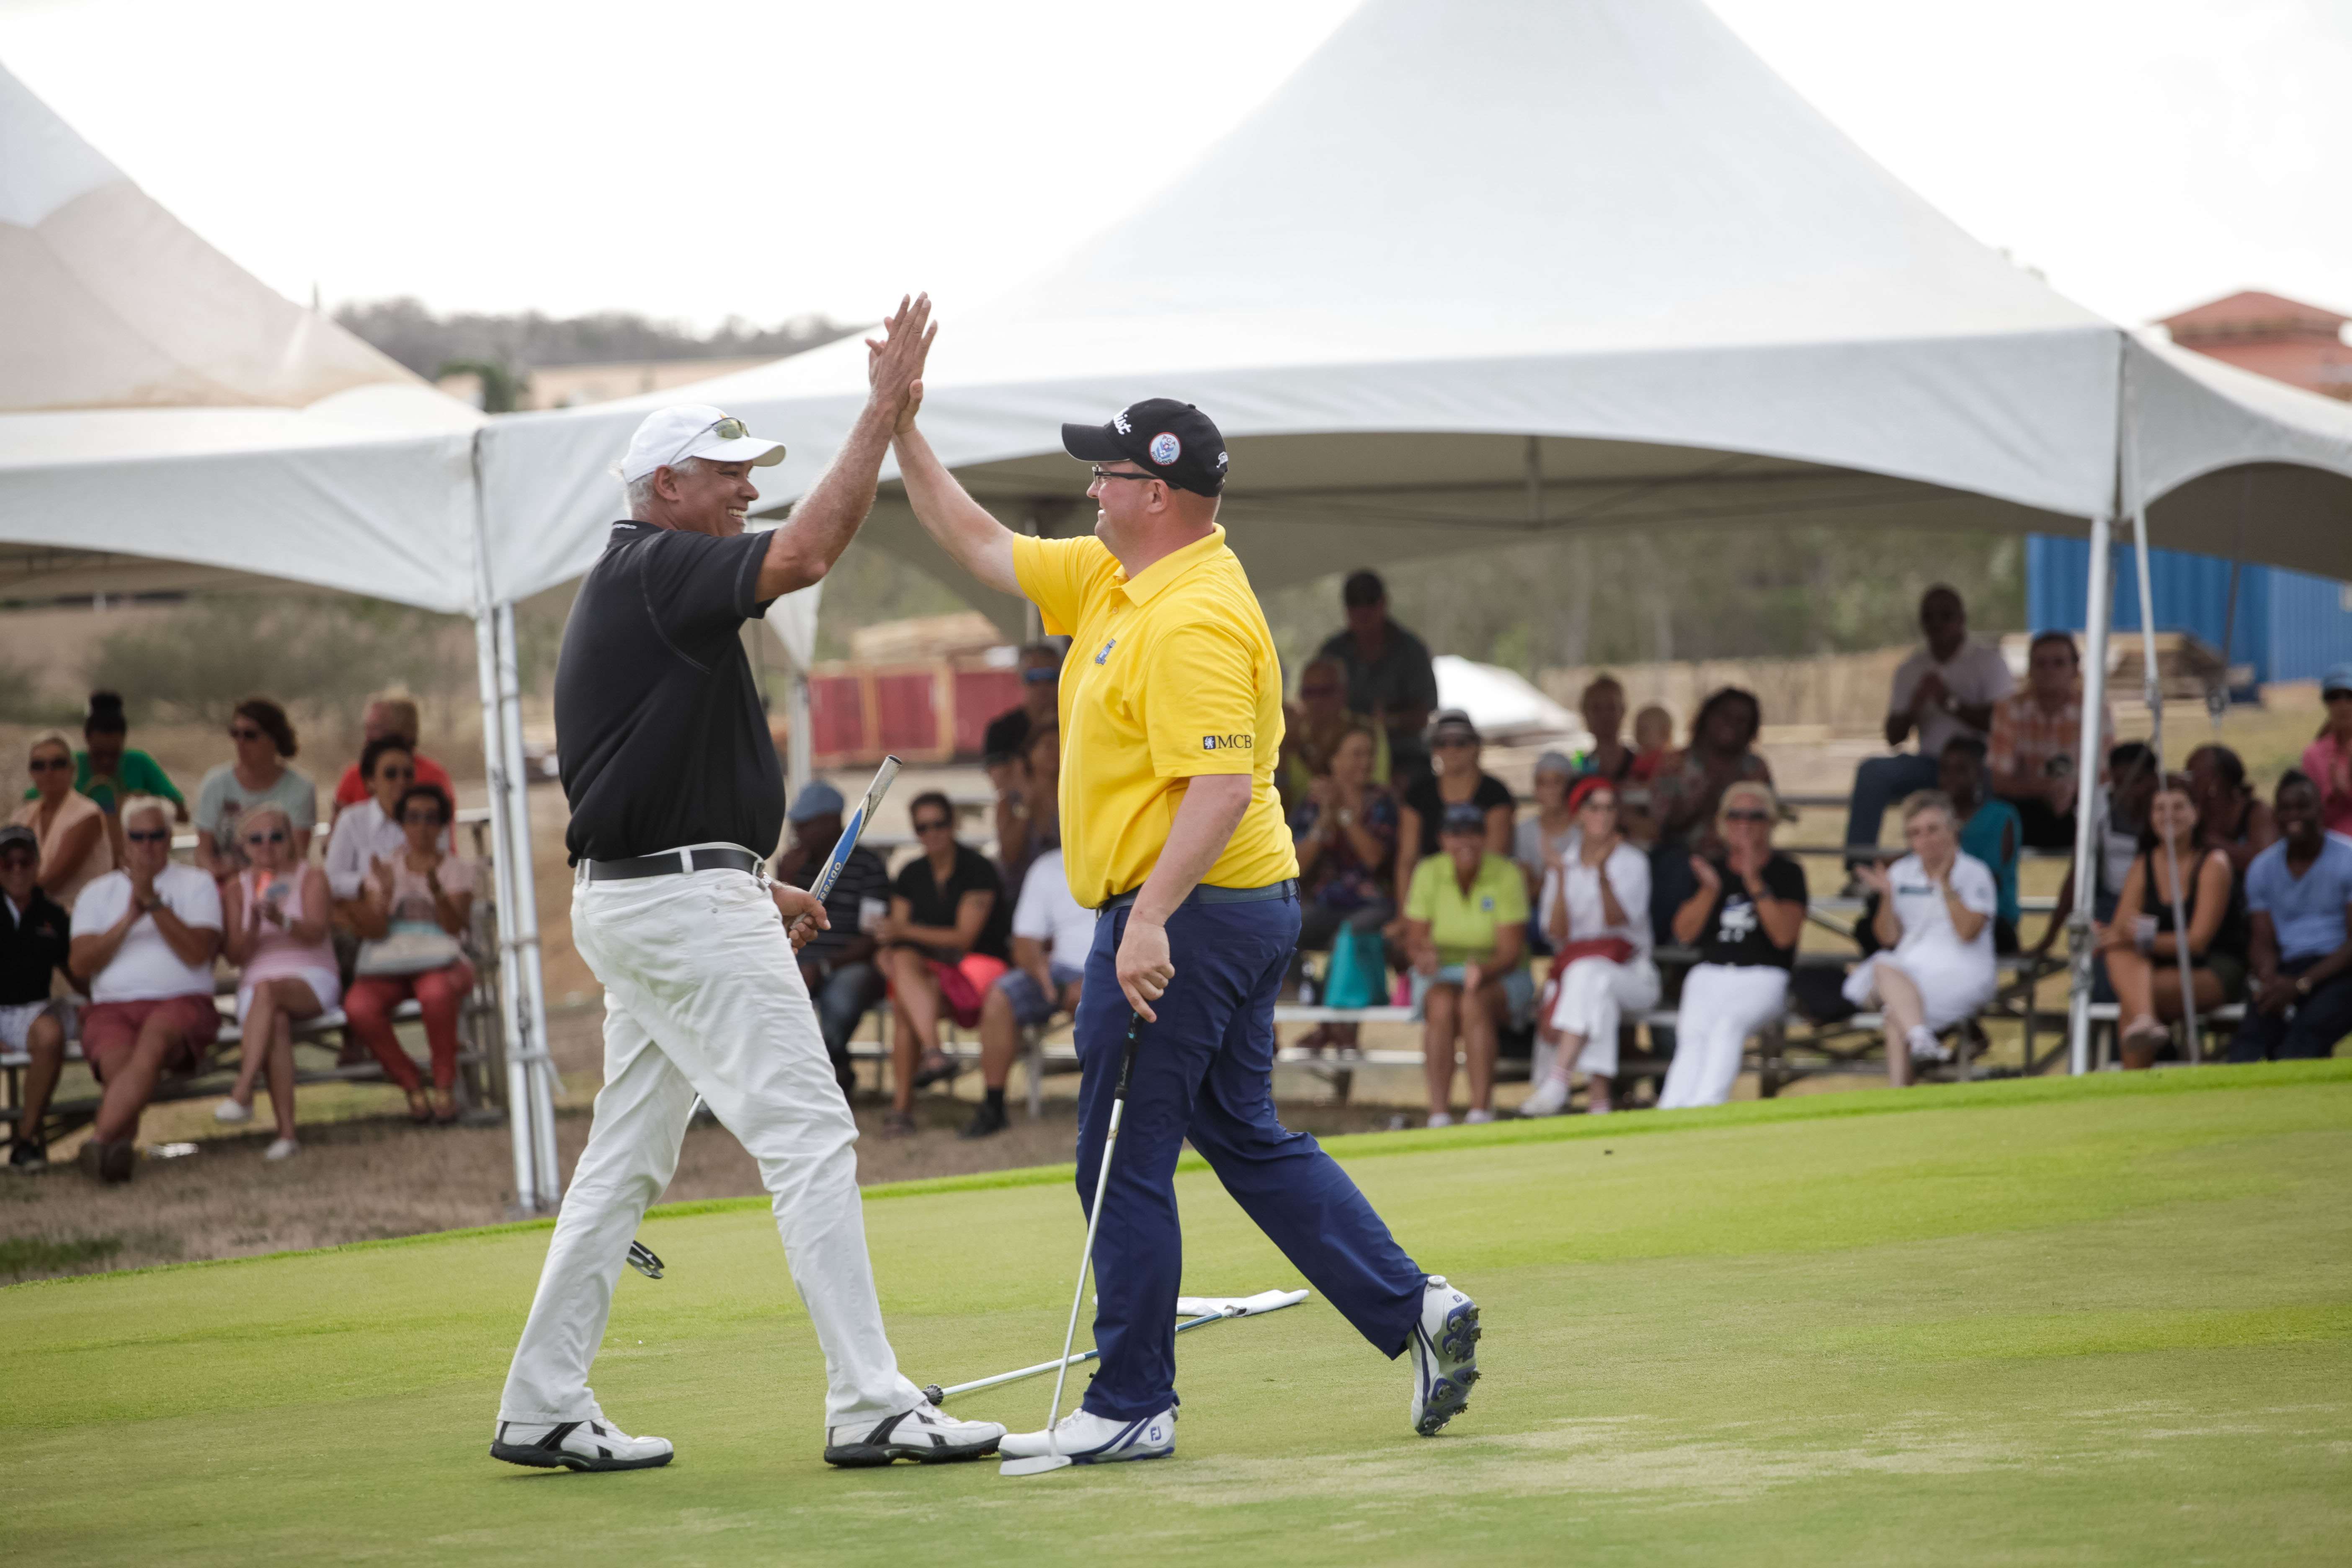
x: 670, y: 435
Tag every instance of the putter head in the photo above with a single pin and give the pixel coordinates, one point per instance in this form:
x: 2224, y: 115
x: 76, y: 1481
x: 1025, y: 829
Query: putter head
x: 642, y: 1259
x: 1037, y: 1466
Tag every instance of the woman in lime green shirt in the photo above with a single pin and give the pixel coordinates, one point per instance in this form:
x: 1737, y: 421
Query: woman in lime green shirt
x: 1465, y: 928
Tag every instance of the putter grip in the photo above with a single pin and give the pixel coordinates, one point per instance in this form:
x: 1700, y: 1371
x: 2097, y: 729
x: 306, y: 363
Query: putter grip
x: 1126, y: 1055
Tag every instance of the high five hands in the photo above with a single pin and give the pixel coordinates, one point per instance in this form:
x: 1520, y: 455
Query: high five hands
x: 893, y: 362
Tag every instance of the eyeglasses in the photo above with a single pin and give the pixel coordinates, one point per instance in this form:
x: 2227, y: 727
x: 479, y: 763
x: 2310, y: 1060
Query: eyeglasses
x: 384, y: 770
x: 243, y: 732
x: 275, y: 836
x: 49, y: 765
x: 1100, y: 472
x: 1599, y: 803
x: 1746, y: 817
x: 936, y: 824
x: 729, y: 429
x: 149, y: 835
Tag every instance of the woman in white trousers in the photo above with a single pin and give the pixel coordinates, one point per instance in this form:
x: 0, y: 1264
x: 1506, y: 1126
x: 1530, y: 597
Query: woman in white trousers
x: 1745, y: 920
x: 1934, y: 925
x: 1595, y: 911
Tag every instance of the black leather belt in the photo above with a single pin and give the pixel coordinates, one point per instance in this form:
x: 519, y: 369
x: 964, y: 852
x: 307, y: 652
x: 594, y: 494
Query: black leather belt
x: 1204, y: 894
x: 673, y: 863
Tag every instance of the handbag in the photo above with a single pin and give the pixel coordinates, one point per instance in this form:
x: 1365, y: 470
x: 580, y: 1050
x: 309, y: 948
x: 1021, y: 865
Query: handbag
x: 1357, y: 969
x: 413, y: 951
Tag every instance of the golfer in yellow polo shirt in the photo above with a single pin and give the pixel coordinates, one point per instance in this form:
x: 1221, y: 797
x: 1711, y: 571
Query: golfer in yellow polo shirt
x: 1171, y: 726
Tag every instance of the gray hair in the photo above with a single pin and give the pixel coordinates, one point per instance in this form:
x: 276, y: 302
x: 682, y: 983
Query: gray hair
x: 640, y: 490
x: 139, y: 805
x: 1920, y: 802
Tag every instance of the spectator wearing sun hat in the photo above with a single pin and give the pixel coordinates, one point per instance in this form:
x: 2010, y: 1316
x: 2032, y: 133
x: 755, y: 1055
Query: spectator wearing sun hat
x: 2329, y: 758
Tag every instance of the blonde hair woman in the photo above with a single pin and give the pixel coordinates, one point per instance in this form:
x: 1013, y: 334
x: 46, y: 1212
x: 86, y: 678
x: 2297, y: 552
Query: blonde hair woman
x: 274, y: 926
x: 75, y: 848
x: 1934, y: 923
x: 1745, y: 920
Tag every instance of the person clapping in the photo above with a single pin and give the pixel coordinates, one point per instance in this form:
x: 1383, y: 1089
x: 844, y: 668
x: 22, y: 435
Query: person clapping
x: 1936, y: 908
x: 414, y: 907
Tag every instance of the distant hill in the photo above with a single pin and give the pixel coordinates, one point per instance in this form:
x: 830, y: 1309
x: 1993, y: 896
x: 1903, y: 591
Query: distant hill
x: 425, y: 343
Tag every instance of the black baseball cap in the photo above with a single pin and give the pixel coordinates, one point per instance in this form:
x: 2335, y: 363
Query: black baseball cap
x: 1167, y: 439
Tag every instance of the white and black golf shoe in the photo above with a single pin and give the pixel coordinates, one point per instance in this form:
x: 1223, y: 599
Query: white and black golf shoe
x: 1085, y: 1438
x: 1445, y: 1355
x: 595, y: 1445
x: 925, y: 1434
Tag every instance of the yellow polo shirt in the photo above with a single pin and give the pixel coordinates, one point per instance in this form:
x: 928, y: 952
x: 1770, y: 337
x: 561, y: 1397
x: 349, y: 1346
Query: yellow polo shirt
x: 1170, y: 676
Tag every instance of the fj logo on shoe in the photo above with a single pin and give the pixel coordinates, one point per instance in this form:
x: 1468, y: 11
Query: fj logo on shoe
x: 1228, y: 743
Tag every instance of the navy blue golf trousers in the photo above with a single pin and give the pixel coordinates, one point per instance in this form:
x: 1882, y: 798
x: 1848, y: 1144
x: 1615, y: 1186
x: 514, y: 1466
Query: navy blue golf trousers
x: 1205, y: 1071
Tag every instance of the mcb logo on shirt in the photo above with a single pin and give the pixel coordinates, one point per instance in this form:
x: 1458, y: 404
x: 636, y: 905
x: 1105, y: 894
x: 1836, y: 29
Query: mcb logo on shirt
x: 1229, y: 742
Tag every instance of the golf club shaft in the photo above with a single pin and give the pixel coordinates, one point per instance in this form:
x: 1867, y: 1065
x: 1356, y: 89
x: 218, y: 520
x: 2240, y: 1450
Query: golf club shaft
x: 1094, y: 1218
x: 1079, y: 1359
x: 855, y: 829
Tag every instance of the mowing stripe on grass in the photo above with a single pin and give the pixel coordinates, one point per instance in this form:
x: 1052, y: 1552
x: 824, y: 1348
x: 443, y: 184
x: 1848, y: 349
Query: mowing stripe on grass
x: 2006, y: 1093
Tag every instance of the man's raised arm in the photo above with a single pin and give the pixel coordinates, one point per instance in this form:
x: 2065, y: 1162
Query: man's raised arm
x: 964, y: 527
x: 825, y: 519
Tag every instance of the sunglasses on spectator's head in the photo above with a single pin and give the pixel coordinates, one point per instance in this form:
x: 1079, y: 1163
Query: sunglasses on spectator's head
x: 933, y: 825
x: 1746, y: 813
x: 149, y: 834
x: 243, y: 732
x: 49, y: 765
x: 275, y: 836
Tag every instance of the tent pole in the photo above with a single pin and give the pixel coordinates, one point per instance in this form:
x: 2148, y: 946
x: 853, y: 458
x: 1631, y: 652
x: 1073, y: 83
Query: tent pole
x: 2088, y: 800
x: 503, y: 861
x: 800, y: 734
x: 2152, y: 690
x: 503, y: 865
x: 533, y: 1007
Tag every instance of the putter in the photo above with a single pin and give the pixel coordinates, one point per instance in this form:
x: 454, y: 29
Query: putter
x: 1198, y: 1312
x: 1056, y: 1460
x: 641, y: 1257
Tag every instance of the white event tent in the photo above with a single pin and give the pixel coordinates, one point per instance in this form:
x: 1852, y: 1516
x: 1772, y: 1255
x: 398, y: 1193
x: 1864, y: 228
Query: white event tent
x: 1485, y: 268
x: 168, y: 422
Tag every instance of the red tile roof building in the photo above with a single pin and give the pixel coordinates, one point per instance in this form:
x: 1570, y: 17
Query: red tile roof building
x: 2285, y: 340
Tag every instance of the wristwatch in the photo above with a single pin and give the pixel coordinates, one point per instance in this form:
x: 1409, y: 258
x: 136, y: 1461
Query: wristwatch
x: 2302, y: 985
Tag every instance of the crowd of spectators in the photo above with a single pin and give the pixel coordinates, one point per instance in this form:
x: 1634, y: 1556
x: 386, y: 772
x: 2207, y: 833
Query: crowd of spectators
x: 109, y: 941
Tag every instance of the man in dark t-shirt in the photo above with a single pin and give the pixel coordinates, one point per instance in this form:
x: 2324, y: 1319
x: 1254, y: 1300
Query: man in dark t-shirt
x: 35, y: 935
x: 676, y: 801
x: 1390, y: 673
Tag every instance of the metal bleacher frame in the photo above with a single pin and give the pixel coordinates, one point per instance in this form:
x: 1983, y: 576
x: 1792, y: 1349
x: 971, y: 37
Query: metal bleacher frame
x: 481, y: 1056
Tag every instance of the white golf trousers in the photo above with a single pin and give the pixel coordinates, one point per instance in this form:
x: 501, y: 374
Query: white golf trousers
x: 1594, y: 995
x: 1722, y: 1004
x: 702, y: 995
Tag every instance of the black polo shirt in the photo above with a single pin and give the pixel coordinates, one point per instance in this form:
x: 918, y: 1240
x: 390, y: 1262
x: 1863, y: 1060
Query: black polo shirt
x: 31, y: 947
x: 658, y: 720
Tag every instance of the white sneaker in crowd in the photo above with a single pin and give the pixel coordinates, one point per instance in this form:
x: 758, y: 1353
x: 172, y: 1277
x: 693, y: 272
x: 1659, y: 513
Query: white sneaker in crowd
x: 926, y: 1435
x: 1927, y: 1047
x: 1438, y: 1119
x: 1090, y: 1440
x: 1479, y: 1117
x: 231, y: 1112
x: 593, y: 1445
x: 1445, y: 1348
x: 1550, y: 1099
x: 281, y: 1149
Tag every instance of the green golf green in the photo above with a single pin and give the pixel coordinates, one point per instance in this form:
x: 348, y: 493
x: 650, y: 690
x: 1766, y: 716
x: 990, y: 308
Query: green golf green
x: 2106, y: 1320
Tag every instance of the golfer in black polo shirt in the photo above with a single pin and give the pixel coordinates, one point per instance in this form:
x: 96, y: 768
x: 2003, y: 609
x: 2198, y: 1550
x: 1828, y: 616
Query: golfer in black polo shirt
x: 676, y: 802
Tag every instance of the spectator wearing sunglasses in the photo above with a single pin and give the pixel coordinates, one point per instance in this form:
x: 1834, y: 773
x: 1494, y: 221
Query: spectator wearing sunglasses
x: 390, y: 715
x: 144, y: 937
x: 415, y: 908
x: 274, y: 926
x: 264, y: 744
x: 370, y: 831
x: 1744, y: 915
x: 34, y: 931
x: 109, y: 772
x: 1040, y: 686
x: 943, y: 947
x: 1454, y: 748
x: 75, y: 848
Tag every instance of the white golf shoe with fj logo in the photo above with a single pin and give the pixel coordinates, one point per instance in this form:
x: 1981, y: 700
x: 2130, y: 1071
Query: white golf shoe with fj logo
x: 1085, y: 1438
x: 593, y: 1444
x: 925, y: 1435
x: 1445, y: 1355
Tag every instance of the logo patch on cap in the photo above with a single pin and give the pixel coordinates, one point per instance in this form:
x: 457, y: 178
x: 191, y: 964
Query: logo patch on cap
x: 1166, y: 449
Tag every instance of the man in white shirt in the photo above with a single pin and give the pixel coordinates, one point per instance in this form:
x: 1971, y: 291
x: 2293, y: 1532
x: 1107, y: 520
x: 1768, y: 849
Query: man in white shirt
x: 1050, y: 933
x: 145, y: 935
x: 1944, y: 689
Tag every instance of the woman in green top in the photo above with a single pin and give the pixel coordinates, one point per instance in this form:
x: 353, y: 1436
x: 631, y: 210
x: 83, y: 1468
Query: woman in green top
x: 1465, y: 928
